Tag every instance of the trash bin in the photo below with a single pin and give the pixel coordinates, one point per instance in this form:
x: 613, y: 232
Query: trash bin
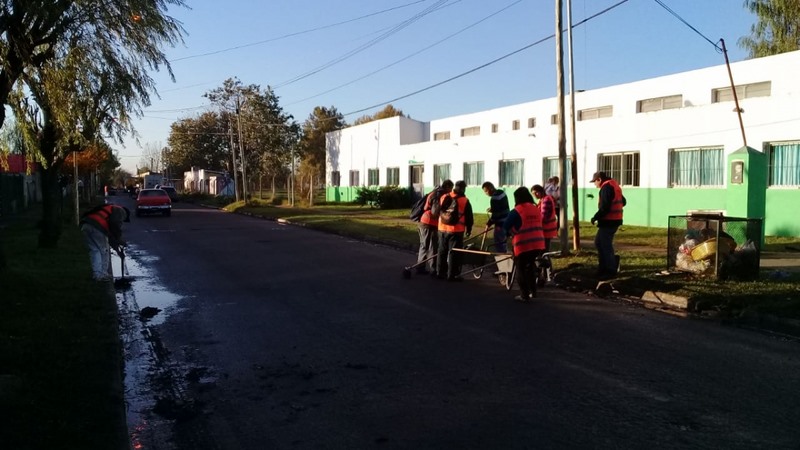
x: 712, y: 244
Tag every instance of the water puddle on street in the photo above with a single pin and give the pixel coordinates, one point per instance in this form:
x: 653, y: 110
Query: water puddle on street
x: 151, y: 387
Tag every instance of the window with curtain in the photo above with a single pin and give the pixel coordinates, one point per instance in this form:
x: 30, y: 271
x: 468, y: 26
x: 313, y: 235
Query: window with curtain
x: 393, y: 176
x: 441, y: 172
x: 354, y: 178
x: 623, y: 167
x: 473, y: 173
x: 373, y: 177
x: 693, y: 167
x: 511, y: 172
x: 550, y: 169
x: 336, y: 178
x: 784, y: 163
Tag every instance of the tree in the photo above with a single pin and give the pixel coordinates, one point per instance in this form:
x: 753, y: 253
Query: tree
x: 313, y: 144
x: 385, y: 113
x: 201, y: 141
x: 89, y: 79
x: 777, y: 30
x: 151, y: 157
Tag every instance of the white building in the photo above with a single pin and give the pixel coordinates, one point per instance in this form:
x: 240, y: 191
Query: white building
x: 667, y: 141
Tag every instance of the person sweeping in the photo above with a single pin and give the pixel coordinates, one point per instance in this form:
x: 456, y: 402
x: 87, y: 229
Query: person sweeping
x: 102, y: 231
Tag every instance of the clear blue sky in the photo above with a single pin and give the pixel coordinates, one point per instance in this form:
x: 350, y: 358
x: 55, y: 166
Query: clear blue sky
x: 313, y: 53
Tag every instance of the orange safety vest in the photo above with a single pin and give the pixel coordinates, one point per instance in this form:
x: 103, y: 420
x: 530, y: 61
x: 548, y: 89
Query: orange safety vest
x: 461, y: 205
x: 615, y: 213
x: 529, y: 236
x: 426, y: 211
x: 549, y: 224
x: 101, y: 216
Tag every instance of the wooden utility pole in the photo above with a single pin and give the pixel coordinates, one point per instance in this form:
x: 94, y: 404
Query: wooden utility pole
x: 562, y: 138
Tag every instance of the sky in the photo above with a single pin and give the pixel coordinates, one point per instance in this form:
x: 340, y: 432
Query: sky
x: 431, y: 59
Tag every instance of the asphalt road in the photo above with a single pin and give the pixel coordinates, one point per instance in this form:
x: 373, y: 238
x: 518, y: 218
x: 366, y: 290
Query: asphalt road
x: 284, y: 337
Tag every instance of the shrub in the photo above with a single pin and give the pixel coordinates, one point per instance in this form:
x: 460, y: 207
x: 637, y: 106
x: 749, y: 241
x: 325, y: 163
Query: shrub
x: 386, y: 197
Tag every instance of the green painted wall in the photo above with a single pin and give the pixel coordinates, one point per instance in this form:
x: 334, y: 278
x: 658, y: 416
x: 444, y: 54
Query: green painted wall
x: 781, y: 212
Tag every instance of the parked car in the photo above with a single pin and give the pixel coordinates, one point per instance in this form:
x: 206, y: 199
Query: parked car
x: 173, y: 194
x: 153, y: 201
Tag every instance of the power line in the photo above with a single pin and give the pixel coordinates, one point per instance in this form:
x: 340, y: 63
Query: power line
x: 440, y: 4
x: 688, y: 25
x: 297, y: 33
x: 409, y: 56
x: 486, y: 64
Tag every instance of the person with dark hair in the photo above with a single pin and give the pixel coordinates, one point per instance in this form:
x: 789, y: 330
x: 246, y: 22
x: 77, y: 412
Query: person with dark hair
x: 524, y: 223
x: 608, y: 219
x: 553, y: 189
x: 102, y: 231
x: 455, y: 223
x: 498, y: 210
x: 547, y: 206
x: 428, y: 228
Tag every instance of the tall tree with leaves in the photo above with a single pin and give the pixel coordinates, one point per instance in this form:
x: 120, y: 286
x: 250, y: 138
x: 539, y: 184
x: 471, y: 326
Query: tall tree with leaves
x: 322, y: 120
x: 94, y: 78
x: 777, y: 29
x: 201, y: 141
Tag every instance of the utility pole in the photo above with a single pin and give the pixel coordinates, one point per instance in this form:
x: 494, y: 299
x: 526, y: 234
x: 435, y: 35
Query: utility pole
x: 241, y: 148
x: 75, y: 186
x: 576, y: 229
x: 562, y: 139
x: 233, y: 153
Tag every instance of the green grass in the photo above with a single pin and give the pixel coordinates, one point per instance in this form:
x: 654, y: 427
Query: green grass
x: 60, y: 354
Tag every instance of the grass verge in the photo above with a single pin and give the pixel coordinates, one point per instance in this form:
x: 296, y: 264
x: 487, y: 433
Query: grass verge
x: 60, y: 354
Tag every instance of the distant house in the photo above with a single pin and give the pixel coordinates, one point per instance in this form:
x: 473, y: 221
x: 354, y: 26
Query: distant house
x: 210, y: 182
x: 20, y: 183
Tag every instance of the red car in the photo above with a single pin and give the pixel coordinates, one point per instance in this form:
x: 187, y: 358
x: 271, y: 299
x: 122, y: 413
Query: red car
x: 153, y: 201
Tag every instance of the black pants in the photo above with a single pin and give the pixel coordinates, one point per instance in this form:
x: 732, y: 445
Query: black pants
x: 445, y: 264
x: 527, y: 272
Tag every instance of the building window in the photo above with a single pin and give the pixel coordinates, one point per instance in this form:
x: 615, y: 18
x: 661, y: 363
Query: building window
x: 596, y: 113
x: 354, y: 178
x: 554, y: 119
x: 336, y: 178
x: 550, y: 170
x: 659, y: 103
x: 473, y: 173
x: 623, y: 167
x: 441, y: 172
x: 495, y: 128
x: 692, y: 167
x: 532, y: 122
x: 441, y: 136
x: 393, y: 176
x: 471, y: 131
x: 762, y: 89
x: 784, y: 163
x: 515, y: 125
x: 511, y: 172
x: 373, y: 177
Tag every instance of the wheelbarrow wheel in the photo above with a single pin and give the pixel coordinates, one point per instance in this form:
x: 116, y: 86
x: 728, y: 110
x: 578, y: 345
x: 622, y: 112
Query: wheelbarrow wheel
x: 476, y: 273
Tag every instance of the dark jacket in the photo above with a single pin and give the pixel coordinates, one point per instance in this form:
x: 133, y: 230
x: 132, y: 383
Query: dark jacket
x: 498, y: 202
x: 604, y: 207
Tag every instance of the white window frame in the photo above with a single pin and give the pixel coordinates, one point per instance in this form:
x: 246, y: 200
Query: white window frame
x: 617, y: 166
x: 750, y: 90
x: 659, y: 103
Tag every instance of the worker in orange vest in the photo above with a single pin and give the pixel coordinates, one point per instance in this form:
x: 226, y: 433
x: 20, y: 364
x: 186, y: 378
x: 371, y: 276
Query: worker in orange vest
x: 524, y: 222
x: 428, y: 228
x: 547, y: 206
x: 102, y: 231
x: 453, y: 205
x: 608, y: 218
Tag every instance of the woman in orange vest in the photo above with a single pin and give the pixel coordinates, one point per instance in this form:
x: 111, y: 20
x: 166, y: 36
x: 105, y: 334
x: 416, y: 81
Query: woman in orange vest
x: 547, y: 206
x: 428, y: 229
x: 608, y: 218
x: 524, y: 222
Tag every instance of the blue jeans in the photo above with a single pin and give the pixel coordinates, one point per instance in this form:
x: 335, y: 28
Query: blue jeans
x: 604, y: 242
x: 499, y: 238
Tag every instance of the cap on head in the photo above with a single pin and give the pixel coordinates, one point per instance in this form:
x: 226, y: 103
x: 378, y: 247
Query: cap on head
x: 598, y: 176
